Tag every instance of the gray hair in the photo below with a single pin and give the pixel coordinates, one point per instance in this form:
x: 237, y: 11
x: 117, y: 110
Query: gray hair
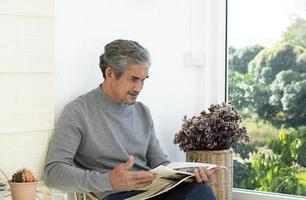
x: 120, y: 54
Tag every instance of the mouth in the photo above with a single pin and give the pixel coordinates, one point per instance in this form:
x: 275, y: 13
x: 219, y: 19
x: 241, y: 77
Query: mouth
x: 134, y: 95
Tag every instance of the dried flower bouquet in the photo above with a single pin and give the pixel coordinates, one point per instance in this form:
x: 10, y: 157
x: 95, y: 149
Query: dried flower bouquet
x: 219, y: 129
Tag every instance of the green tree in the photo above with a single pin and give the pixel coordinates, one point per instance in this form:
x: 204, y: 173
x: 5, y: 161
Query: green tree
x: 240, y: 85
x: 231, y: 50
x: 240, y: 90
x: 279, y: 86
x: 288, y: 94
x: 240, y: 58
x: 295, y: 34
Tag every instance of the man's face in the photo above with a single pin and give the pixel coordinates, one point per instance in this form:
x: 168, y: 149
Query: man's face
x: 126, y: 88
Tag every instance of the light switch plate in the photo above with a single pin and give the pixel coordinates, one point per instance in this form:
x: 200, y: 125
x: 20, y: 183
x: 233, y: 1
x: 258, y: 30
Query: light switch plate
x: 195, y: 58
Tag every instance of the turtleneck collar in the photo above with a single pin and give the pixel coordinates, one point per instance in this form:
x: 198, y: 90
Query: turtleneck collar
x: 106, y: 100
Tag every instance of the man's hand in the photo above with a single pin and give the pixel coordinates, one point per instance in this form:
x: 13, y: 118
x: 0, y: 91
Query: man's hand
x: 122, y: 179
x: 203, y: 175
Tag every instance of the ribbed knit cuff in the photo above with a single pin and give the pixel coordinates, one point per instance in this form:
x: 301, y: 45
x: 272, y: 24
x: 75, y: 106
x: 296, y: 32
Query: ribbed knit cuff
x: 99, y: 182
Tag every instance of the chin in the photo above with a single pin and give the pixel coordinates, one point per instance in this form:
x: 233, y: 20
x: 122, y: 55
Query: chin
x: 131, y: 102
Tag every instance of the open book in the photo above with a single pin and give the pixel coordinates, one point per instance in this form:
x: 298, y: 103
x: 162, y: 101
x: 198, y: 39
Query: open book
x: 169, y: 177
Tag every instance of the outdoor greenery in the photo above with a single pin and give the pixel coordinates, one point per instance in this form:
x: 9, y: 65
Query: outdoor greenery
x: 268, y: 86
x: 281, y: 170
x: 295, y: 34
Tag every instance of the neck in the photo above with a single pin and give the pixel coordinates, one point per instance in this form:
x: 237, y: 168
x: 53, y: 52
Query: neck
x: 107, y: 90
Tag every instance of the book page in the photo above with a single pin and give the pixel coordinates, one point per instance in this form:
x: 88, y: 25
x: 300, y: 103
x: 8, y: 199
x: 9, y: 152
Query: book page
x: 176, y: 165
x: 166, y: 179
x: 190, y: 166
x: 169, y: 177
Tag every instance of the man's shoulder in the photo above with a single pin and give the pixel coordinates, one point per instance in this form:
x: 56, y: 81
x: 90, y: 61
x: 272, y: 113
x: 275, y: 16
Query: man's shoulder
x: 141, y: 105
x: 142, y: 108
x: 81, y: 101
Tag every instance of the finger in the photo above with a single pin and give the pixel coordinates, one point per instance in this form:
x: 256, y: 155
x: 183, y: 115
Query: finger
x: 190, y: 180
x: 204, y: 174
x: 142, y: 175
x: 138, y: 183
x: 215, y: 169
x: 135, y: 178
x: 144, y: 180
x: 143, y: 184
x: 128, y: 164
x: 197, y: 176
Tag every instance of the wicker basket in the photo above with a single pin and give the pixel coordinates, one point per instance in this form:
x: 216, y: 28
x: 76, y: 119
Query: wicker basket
x: 222, y: 182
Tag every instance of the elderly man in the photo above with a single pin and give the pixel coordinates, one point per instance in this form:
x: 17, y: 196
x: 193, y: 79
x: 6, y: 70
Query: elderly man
x: 104, y: 141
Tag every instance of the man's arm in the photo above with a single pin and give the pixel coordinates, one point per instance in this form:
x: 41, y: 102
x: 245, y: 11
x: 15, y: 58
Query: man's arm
x: 122, y: 179
x: 155, y: 155
x: 60, y: 171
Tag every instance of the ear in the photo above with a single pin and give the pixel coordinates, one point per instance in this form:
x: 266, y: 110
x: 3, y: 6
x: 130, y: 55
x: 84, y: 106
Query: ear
x: 109, y: 73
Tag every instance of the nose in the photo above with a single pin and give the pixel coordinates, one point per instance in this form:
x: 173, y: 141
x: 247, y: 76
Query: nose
x: 138, y: 86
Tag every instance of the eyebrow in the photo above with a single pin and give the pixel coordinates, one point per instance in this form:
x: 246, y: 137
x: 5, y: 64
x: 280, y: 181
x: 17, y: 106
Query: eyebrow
x: 135, y: 77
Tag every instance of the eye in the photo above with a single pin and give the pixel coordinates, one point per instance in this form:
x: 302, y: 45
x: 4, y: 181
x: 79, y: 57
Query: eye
x: 133, y: 80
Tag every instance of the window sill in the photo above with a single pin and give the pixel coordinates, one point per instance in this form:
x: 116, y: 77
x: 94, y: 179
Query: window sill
x: 242, y: 194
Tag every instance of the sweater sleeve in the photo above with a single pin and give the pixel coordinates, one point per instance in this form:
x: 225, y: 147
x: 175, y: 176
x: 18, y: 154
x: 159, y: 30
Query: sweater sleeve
x: 60, y: 170
x: 155, y: 155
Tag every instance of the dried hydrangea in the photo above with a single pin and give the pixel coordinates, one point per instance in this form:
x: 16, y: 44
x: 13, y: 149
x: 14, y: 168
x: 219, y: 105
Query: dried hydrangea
x: 219, y: 129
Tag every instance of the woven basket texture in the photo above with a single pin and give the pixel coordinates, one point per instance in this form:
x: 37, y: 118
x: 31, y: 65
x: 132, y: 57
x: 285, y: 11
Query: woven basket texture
x: 221, y: 182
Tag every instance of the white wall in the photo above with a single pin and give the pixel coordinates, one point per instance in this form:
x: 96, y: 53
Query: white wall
x: 26, y: 83
x: 168, y: 29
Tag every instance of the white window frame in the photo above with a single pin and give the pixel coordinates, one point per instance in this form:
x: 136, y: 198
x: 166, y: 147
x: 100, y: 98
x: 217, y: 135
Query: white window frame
x: 219, y: 26
x: 242, y: 194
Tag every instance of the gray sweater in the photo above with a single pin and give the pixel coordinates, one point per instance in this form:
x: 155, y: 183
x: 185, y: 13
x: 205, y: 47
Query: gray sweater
x: 94, y: 134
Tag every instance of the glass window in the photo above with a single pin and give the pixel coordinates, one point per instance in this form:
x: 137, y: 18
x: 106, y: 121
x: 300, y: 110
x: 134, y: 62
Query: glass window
x: 267, y: 84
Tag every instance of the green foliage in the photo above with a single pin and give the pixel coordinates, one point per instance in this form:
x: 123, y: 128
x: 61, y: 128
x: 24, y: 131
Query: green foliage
x: 240, y: 58
x: 290, y: 146
x: 259, y: 131
x: 271, y: 82
x: 246, y: 150
x: 240, y: 90
x: 278, y: 85
x: 244, y: 176
x: 231, y: 50
x: 302, y: 178
x: 270, y: 85
x: 270, y: 61
x: 288, y: 94
x: 274, y: 175
x: 295, y: 34
x: 279, y: 171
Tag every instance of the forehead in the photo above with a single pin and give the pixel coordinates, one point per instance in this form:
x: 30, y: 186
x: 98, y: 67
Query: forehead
x: 139, y: 71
